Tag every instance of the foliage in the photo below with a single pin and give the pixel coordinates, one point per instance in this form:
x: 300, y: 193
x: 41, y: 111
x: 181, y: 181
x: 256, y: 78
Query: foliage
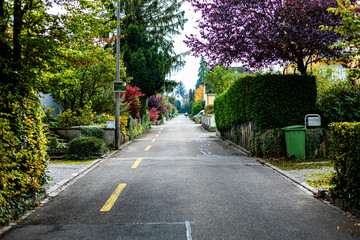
x: 349, y: 29
x: 180, y: 89
x: 91, y: 131
x: 287, y: 164
x: 344, y: 153
x: 136, y: 127
x: 84, y: 74
x: 209, y: 109
x: 159, y: 103
x: 197, y: 107
x: 143, y: 60
x: 85, y: 147
x: 69, y: 118
x: 263, y: 33
x: 161, y: 20
x: 199, y: 93
x: 340, y: 103
x: 192, y: 93
x: 270, y: 101
x: 132, y: 97
x: 203, y: 70
x: 313, y: 139
x: 23, y: 153
x: 219, y: 79
x: 320, y: 180
x: 154, y: 114
x: 268, y: 143
x: 53, y: 144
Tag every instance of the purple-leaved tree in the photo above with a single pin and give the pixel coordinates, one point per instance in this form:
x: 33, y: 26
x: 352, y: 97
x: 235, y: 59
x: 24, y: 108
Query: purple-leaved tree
x: 259, y: 33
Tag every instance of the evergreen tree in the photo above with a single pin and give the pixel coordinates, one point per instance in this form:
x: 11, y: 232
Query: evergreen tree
x: 144, y: 62
x: 180, y: 89
x: 203, y: 69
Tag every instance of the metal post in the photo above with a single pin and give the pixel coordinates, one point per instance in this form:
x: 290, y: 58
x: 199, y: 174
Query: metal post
x: 117, y: 94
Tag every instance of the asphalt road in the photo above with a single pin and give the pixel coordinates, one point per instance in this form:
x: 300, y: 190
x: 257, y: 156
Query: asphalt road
x: 180, y: 182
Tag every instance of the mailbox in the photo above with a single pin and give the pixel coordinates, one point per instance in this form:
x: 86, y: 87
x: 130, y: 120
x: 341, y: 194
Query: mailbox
x: 312, y: 120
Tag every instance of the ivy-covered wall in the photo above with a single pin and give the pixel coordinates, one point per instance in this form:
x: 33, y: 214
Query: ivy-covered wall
x: 22, y: 153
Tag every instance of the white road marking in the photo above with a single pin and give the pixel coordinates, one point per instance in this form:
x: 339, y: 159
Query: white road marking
x: 188, y: 230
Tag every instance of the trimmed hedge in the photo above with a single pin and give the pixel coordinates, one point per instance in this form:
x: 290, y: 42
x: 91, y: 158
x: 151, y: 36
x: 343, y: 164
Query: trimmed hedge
x: 84, y: 147
x: 270, y: 101
x: 344, y: 152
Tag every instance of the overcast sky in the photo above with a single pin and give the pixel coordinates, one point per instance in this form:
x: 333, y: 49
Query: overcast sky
x: 189, y: 74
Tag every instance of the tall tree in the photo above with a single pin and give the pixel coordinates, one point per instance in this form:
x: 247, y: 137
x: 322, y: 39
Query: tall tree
x: 181, y: 89
x: 219, y: 79
x: 143, y: 60
x: 161, y: 19
x: 203, y: 69
x: 259, y: 33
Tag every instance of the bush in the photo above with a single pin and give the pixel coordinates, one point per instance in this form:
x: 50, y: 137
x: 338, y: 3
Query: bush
x: 270, y: 101
x: 84, y: 147
x: 23, y: 153
x: 344, y: 152
x: 313, y: 140
x: 197, y: 107
x: 53, y: 144
x: 209, y: 109
x: 340, y: 103
x: 92, y: 131
x: 69, y: 118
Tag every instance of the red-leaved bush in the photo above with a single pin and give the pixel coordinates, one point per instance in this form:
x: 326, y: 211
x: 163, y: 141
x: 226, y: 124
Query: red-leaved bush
x: 132, y: 96
x: 154, y: 114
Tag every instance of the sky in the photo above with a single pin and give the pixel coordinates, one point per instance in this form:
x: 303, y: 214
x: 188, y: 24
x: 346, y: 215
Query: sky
x: 189, y: 74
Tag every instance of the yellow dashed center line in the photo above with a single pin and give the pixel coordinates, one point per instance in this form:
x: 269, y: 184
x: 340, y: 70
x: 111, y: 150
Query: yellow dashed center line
x: 157, y: 135
x: 137, y: 162
x: 147, y: 148
x: 110, y: 202
x: 159, y: 131
x: 153, y: 140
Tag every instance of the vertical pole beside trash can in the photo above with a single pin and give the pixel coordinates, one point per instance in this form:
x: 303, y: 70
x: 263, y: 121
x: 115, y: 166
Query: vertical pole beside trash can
x: 295, y: 141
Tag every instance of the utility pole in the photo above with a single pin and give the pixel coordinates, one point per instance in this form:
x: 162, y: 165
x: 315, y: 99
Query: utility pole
x: 117, y: 94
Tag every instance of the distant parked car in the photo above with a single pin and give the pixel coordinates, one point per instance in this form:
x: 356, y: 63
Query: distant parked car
x: 198, y: 115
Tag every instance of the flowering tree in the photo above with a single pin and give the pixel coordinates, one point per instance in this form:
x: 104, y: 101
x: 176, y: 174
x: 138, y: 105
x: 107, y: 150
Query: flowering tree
x: 263, y: 32
x: 158, y: 102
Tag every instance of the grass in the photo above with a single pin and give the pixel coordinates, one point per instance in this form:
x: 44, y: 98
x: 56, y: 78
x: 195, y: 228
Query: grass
x: 285, y: 164
x: 72, y: 162
x: 320, y: 180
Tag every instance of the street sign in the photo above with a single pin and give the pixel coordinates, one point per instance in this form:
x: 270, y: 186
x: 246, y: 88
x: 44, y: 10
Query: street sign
x: 119, y: 86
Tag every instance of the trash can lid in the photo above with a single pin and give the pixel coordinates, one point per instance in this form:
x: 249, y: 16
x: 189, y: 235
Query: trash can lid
x: 294, y: 128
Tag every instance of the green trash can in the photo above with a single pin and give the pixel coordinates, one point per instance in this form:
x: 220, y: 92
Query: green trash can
x: 295, y: 141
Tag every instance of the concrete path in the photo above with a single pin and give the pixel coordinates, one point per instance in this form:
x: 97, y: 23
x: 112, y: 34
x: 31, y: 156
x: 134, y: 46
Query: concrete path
x: 180, y: 182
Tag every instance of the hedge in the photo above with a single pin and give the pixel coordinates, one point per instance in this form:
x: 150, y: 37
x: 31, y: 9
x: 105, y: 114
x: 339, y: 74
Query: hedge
x: 85, y: 147
x: 23, y: 153
x: 344, y: 152
x: 270, y: 101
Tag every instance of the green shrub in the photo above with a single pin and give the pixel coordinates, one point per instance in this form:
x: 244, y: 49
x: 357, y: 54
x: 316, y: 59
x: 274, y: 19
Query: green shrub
x: 92, y: 131
x: 340, y: 103
x: 53, y: 144
x: 313, y: 139
x: 84, y: 147
x: 197, y: 107
x: 344, y: 152
x: 270, y: 101
x: 23, y: 153
x: 209, y: 109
